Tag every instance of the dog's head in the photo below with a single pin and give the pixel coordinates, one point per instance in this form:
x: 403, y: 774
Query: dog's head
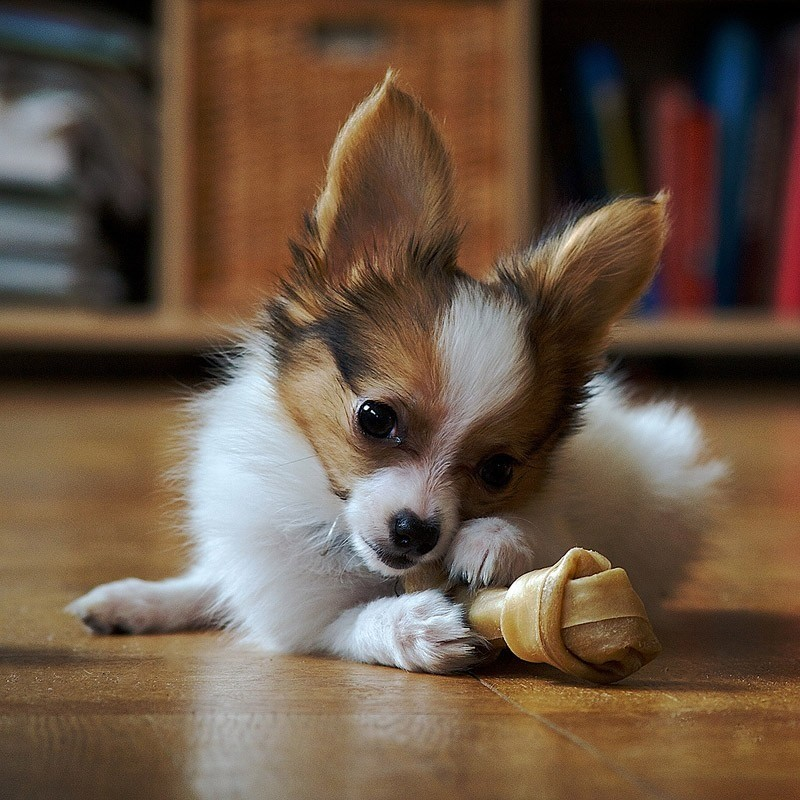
x: 430, y: 397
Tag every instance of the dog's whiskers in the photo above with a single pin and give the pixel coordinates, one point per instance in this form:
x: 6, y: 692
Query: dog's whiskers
x: 296, y: 461
x: 334, y: 542
x: 517, y: 518
x: 330, y: 536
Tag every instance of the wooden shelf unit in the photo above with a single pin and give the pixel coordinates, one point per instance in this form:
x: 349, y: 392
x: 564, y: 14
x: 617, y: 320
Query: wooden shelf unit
x: 177, y: 322
x: 146, y: 331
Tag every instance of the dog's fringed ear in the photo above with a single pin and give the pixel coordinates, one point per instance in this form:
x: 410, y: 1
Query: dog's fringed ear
x: 588, y: 276
x: 389, y: 180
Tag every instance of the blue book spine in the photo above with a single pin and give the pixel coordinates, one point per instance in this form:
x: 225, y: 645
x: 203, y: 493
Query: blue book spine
x: 652, y: 301
x: 731, y: 89
x: 596, y: 66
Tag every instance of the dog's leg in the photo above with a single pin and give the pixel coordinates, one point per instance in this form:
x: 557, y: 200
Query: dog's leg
x: 420, y: 632
x: 135, y: 606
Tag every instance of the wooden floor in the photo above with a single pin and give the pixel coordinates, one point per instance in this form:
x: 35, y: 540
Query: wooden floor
x: 196, y: 716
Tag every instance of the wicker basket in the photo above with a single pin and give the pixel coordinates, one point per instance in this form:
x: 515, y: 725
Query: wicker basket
x: 275, y: 81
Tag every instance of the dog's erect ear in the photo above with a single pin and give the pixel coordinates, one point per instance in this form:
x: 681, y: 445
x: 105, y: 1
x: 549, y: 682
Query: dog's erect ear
x: 389, y: 180
x: 588, y: 276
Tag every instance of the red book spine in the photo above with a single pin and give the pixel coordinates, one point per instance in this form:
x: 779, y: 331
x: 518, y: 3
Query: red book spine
x: 684, y: 162
x: 787, y: 284
x: 697, y: 288
x: 668, y: 110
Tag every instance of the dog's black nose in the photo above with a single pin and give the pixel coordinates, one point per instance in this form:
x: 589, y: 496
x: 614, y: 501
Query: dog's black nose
x: 412, y: 535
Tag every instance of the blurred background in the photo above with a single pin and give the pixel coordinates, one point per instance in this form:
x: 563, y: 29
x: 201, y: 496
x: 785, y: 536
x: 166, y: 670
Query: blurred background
x: 154, y: 162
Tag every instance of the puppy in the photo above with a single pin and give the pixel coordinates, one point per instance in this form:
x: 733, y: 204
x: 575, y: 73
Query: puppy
x: 387, y: 410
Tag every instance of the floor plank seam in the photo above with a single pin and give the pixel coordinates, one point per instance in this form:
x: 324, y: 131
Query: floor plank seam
x: 589, y: 749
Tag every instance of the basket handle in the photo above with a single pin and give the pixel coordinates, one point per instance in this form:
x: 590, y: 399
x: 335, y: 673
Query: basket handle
x: 349, y: 40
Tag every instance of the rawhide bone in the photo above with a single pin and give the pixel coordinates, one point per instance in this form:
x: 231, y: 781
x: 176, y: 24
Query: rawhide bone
x: 579, y: 615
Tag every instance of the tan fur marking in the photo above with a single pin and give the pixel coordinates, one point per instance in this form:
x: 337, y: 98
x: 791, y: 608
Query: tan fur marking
x: 404, y: 372
x: 320, y: 405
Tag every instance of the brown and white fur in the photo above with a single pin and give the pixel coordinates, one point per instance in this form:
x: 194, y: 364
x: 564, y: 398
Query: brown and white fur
x: 501, y: 447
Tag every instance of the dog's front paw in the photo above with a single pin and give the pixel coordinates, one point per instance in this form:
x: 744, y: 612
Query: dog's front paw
x: 489, y: 551
x: 420, y: 632
x: 430, y: 634
x: 126, y: 606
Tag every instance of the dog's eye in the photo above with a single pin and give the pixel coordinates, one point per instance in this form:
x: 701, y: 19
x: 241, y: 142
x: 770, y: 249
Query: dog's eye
x: 496, y: 471
x: 377, y: 419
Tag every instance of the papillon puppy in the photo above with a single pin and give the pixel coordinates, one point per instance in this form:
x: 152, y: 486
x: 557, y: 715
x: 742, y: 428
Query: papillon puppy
x: 387, y: 410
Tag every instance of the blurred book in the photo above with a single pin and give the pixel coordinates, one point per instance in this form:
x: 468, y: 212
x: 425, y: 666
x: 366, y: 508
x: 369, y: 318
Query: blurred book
x: 31, y: 152
x: 41, y: 223
x: 766, y: 180
x: 56, y: 280
x: 608, y: 142
x: 682, y: 150
x: 731, y: 89
x: 787, y: 280
x: 50, y: 251
x: 70, y: 37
